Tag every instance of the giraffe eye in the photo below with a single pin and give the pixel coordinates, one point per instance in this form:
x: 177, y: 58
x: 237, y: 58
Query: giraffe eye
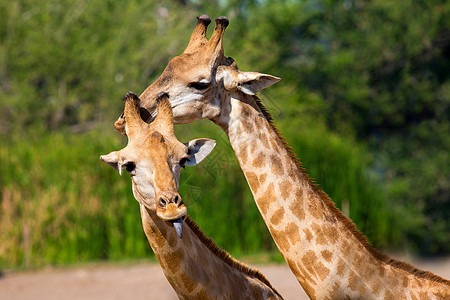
x: 130, y: 166
x: 200, y: 85
x: 182, y: 162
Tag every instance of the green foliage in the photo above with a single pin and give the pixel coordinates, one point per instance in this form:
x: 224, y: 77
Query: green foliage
x: 68, y: 64
x: 364, y: 102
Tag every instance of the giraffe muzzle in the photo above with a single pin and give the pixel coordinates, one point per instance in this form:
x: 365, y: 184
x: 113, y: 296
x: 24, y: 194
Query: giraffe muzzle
x: 172, y: 209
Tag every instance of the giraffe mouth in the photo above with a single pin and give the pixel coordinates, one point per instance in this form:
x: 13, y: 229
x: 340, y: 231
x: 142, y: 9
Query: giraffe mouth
x: 178, y: 224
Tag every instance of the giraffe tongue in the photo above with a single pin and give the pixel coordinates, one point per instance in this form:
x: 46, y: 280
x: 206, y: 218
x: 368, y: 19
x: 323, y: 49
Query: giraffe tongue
x: 178, y: 224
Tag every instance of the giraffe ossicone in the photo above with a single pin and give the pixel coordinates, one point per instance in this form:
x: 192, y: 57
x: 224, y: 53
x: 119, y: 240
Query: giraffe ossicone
x: 323, y: 248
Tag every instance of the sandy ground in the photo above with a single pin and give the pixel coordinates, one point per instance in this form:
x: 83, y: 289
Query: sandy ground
x: 143, y: 281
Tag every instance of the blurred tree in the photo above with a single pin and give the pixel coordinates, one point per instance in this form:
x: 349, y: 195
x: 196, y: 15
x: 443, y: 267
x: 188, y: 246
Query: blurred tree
x: 62, y: 62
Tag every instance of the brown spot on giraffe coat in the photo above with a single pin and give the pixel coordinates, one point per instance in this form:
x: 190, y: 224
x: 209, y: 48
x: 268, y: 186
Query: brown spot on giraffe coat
x: 253, y: 181
x: 308, y: 261
x: 267, y: 198
x: 308, y: 234
x: 327, y: 255
x: 296, y: 207
x: 259, y: 161
x: 243, y: 154
x: 253, y: 147
x: 292, y: 232
x: 274, y: 144
x: 277, y: 216
x: 322, y: 271
x: 376, y: 287
x: 280, y: 238
x: 314, y: 209
x: 293, y: 266
x: 352, y: 280
x: 276, y: 165
x: 285, y: 189
x: 341, y: 267
x: 332, y: 234
x: 263, y: 139
x: 262, y: 178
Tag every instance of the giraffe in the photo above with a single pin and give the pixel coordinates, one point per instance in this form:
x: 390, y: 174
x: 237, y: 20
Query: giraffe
x: 330, y: 258
x: 194, y: 265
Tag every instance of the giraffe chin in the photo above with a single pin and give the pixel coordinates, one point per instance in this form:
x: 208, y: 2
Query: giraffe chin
x: 178, y: 224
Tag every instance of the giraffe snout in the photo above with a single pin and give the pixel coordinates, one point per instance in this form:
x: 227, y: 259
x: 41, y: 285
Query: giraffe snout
x: 170, y: 207
x: 172, y: 198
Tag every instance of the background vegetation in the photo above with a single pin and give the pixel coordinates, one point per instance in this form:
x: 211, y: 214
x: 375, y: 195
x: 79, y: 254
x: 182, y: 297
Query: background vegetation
x: 364, y: 102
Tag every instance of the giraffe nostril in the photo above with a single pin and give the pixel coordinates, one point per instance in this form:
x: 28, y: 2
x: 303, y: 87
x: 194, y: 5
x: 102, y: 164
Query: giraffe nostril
x: 176, y: 200
x: 162, y: 203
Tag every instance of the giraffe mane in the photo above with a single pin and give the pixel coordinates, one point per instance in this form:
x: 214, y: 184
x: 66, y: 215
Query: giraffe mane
x: 226, y: 257
x: 340, y: 216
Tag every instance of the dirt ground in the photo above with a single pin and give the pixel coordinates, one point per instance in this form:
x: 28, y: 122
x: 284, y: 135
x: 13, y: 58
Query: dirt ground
x: 143, y: 281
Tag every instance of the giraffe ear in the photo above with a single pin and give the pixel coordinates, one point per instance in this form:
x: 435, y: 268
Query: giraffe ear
x: 198, y: 149
x: 247, y: 82
x: 252, y: 82
x: 113, y: 160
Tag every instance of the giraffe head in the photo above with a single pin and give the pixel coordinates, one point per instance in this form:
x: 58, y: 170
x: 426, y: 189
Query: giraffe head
x: 154, y: 158
x: 200, y: 79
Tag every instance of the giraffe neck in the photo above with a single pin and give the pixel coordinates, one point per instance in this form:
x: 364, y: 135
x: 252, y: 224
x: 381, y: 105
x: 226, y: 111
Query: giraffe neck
x: 197, y: 268
x: 326, y: 253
